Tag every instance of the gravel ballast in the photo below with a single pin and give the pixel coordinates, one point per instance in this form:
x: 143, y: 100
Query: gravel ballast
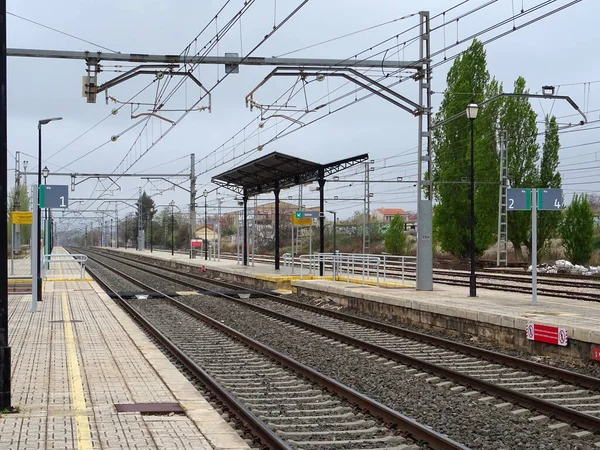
x: 465, y: 419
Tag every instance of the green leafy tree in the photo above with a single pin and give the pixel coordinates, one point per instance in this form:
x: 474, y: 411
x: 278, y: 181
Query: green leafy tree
x: 548, y: 221
x: 468, y: 81
x: 148, y: 212
x: 395, y: 237
x: 518, y: 121
x: 577, y: 230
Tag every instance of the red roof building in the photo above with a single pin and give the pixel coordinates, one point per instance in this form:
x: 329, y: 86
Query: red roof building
x: 387, y: 214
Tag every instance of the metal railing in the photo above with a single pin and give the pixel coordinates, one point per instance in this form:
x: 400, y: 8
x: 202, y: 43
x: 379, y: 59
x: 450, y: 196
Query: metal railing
x: 367, y: 266
x: 64, y: 258
x: 397, y: 265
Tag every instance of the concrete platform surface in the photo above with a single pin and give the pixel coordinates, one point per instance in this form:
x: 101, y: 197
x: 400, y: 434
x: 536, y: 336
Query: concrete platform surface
x: 77, y: 357
x: 489, y: 313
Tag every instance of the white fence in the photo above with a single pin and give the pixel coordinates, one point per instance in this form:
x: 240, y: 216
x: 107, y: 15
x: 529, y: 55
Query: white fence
x: 64, y: 258
x: 353, y: 264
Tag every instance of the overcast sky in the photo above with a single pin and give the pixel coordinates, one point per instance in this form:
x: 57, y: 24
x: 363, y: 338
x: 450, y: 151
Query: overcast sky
x: 559, y: 50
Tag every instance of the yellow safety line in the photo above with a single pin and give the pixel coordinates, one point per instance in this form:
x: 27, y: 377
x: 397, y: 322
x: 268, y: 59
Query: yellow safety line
x: 84, y: 438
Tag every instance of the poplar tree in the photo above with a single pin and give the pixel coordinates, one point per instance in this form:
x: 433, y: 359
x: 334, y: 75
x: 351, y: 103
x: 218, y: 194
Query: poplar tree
x: 518, y: 121
x: 468, y: 81
x: 548, y: 221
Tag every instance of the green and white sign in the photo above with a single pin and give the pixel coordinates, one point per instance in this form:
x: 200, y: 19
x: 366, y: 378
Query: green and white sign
x: 54, y: 196
x: 518, y: 199
x: 550, y: 199
x: 534, y: 200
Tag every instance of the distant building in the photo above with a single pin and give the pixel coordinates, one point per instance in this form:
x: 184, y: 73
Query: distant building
x: 210, y: 234
x: 386, y: 215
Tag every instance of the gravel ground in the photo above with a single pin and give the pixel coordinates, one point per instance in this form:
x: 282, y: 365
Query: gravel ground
x: 592, y: 368
x: 465, y: 419
x: 145, y: 277
x: 116, y: 282
x: 484, y: 427
x: 126, y: 264
x: 236, y: 358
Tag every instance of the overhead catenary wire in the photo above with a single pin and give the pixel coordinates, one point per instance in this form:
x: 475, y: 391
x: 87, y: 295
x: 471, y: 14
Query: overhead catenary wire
x: 61, y: 32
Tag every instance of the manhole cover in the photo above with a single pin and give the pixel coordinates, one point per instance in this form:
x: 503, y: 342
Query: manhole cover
x: 150, y: 408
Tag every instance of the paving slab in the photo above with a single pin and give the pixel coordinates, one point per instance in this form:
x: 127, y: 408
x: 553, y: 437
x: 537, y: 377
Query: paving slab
x: 78, y: 356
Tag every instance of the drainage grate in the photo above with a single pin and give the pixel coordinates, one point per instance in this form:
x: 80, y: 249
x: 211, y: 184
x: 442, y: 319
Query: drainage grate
x: 150, y: 408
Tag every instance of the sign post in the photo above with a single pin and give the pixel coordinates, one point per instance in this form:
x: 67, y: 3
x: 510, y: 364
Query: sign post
x: 53, y: 196
x: 303, y: 218
x: 527, y: 199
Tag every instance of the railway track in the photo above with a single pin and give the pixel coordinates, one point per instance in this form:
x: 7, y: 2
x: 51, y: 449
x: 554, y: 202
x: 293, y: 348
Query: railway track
x: 567, y: 396
x: 283, y: 402
x: 554, y: 285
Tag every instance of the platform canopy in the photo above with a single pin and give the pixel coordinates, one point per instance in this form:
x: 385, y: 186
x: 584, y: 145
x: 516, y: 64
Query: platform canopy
x: 274, y: 172
x: 279, y: 171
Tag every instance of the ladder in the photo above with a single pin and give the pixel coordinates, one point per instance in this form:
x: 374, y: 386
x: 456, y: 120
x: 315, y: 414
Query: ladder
x: 367, y: 212
x: 299, y: 235
x: 502, y: 253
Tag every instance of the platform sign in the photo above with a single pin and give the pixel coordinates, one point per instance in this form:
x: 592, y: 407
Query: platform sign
x: 547, y: 334
x: 299, y: 219
x: 54, y: 196
x: 596, y: 353
x: 22, y: 217
x: 518, y: 199
x: 550, y: 199
x: 196, y: 243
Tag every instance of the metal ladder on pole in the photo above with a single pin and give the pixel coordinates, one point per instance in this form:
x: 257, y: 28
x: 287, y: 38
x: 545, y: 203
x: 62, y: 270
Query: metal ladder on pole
x: 367, y: 212
x: 502, y: 252
x: 299, y: 230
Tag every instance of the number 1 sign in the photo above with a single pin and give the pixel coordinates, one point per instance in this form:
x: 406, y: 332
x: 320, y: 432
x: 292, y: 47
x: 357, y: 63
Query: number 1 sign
x: 54, y: 196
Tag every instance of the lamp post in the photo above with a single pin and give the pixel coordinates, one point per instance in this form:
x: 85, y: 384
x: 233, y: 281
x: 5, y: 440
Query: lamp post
x: 472, y: 110
x: 172, y: 205
x: 39, y: 209
x: 45, y: 173
x: 334, y: 226
x: 205, y: 194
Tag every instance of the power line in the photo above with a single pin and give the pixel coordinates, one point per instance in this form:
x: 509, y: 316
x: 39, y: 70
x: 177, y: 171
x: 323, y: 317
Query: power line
x: 61, y: 32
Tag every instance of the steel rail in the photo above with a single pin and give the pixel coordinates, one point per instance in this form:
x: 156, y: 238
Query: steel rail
x: 541, y: 369
x: 257, y: 426
x: 567, y: 415
x: 414, y: 429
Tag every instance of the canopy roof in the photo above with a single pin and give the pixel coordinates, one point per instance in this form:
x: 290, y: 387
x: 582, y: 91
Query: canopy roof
x: 277, y: 170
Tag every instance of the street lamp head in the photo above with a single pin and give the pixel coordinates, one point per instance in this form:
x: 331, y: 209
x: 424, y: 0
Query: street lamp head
x: 45, y: 121
x: 172, y: 203
x: 205, y: 193
x: 472, y: 110
x: 45, y: 172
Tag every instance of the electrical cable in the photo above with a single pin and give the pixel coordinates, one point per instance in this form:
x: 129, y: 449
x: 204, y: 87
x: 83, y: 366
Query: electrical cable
x: 61, y: 32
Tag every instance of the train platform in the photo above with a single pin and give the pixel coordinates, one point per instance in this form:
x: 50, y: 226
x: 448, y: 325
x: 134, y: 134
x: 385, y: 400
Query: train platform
x: 493, y: 317
x: 77, y: 358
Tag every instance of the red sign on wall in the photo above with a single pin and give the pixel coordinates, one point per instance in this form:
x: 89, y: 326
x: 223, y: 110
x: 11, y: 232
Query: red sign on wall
x: 596, y: 353
x: 548, y: 334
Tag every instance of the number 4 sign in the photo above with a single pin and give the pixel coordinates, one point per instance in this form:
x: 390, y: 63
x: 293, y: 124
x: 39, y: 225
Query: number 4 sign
x: 527, y: 199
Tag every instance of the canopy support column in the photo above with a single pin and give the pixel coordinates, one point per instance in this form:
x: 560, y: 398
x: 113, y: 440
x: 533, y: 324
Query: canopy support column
x: 245, y: 250
x: 276, y: 191
x: 321, y: 216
